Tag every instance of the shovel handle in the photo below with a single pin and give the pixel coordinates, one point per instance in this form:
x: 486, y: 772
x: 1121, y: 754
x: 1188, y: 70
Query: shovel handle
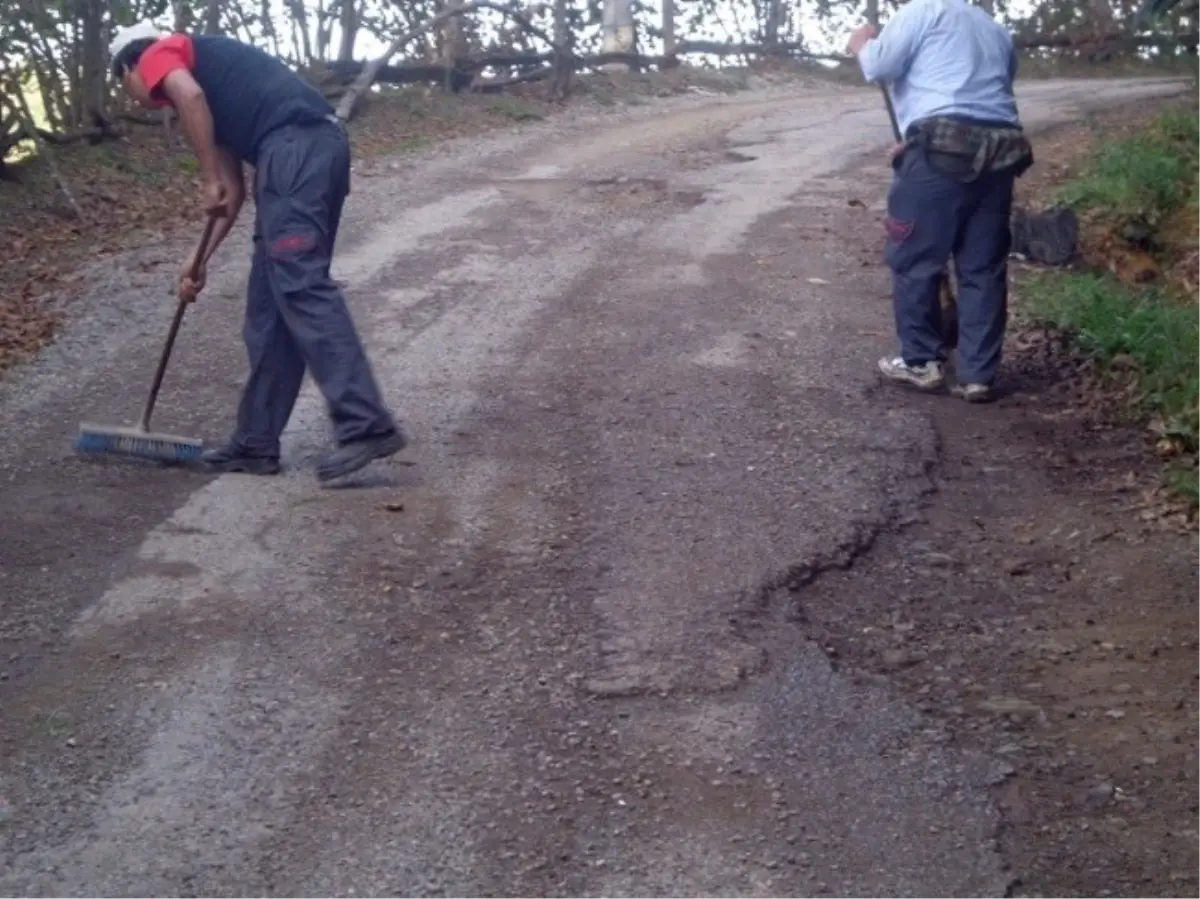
x: 198, y: 260
x: 891, y: 111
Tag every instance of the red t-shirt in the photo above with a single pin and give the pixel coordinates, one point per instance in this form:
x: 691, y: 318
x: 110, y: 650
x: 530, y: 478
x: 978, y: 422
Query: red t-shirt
x: 161, y: 59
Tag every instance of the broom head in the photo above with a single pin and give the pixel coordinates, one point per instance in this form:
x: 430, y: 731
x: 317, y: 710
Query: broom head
x: 134, y: 442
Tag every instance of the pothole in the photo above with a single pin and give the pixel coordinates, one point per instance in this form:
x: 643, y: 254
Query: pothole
x: 619, y: 189
x: 640, y: 190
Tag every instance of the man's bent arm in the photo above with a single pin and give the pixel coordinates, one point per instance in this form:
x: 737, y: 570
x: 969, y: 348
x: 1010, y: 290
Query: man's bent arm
x: 231, y: 175
x: 888, y: 57
x: 196, y: 119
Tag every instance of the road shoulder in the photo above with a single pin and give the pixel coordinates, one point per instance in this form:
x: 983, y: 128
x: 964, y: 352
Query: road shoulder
x: 1039, y: 606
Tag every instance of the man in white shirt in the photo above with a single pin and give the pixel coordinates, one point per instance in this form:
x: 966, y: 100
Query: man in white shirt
x: 949, y: 68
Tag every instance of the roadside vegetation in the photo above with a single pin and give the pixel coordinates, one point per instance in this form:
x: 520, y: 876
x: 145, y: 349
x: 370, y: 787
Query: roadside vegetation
x: 1132, y: 303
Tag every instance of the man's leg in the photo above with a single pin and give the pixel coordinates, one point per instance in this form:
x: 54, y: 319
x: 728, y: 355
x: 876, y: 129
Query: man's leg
x: 276, y: 373
x: 981, y: 260
x: 303, y: 186
x: 922, y: 214
x: 276, y: 366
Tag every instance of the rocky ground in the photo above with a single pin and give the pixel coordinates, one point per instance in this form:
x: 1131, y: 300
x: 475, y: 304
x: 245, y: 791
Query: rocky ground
x: 669, y: 597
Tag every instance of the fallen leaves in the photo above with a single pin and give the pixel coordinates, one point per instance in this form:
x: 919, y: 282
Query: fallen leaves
x: 1103, y: 397
x: 123, y: 188
x: 1103, y: 247
x: 24, y: 329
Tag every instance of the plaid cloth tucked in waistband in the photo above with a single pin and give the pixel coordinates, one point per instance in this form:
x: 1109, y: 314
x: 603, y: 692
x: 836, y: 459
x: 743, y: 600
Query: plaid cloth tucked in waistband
x: 976, y: 148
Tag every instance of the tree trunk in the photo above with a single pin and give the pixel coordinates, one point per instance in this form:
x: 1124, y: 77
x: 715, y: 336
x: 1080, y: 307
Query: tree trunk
x: 562, y: 23
x: 300, y: 37
x: 349, y: 27
x: 618, y: 31
x: 873, y: 12
x: 324, y: 30
x: 774, y: 19
x: 453, y: 38
x: 212, y: 17
x: 267, y: 23
x: 93, y: 87
x: 668, y: 27
x: 183, y: 15
x: 564, y: 63
x: 1100, y: 16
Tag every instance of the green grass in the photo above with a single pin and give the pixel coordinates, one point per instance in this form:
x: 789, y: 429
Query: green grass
x: 1160, y: 334
x: 1185, y: 482
x: 409, y: 143
x: 1143, y: 178
x: 1142, y: 185
x: 514, y: 108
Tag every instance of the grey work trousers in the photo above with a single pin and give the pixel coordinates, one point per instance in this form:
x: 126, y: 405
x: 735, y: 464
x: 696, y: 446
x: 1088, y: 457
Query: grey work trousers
x: 296, y: 316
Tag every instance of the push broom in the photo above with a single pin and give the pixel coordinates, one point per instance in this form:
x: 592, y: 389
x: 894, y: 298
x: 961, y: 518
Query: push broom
x: 138, y: 441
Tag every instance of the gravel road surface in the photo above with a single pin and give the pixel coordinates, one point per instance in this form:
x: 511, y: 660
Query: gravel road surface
x: 541, y: 653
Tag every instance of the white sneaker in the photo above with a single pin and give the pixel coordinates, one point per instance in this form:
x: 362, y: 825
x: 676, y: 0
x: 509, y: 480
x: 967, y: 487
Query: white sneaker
x: 972, y: 393
x: 929, y: 376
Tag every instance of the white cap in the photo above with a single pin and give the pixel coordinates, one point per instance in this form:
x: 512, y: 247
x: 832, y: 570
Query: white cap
x: 126, y: 36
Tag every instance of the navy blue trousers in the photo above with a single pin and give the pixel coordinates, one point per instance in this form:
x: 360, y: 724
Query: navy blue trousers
x: 296, y: 316
x: 931, y: 217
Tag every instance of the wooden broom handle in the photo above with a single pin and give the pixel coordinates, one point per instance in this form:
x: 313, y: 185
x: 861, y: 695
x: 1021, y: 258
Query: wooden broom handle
x: 197, y: 262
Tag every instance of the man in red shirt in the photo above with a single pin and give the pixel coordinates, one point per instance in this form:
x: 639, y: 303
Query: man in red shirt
x: 238, y: 105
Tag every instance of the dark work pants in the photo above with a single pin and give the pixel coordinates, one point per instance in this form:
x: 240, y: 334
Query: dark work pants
x: 931, y: 217
x: 296, y: 316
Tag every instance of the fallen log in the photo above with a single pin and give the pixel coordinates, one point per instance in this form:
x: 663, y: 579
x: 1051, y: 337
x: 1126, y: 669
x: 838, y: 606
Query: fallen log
x: 1114, y: 40
x: 463, y: 73
x: 366, y: 78
x: 333, y: 78
x: 93, y: 134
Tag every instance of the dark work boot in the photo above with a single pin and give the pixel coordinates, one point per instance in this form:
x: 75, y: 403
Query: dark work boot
x: 350, y: 457
x: 233, y: 458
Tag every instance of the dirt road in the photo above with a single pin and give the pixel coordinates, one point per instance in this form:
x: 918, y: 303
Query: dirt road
x: 547, y: 656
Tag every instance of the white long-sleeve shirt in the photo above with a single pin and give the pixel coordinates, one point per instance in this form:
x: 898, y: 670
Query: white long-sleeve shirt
x: 944, y: 57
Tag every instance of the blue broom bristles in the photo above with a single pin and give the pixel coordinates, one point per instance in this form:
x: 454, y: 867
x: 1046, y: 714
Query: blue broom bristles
x: 145, y: 446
